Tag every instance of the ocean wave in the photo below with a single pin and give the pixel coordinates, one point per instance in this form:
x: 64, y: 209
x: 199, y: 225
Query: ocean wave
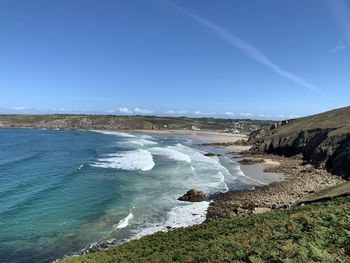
x: 147, y: 137
x: 21, y: 159
x: 131, y: 160
x: 142, y: 142
x: 179, y: 216
x: 171, y: 153
x: 120, y: 134
x: 208, y: 173
x: 124, y: 222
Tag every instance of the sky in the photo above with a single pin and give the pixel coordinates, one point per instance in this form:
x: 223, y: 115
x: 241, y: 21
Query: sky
x: 255, y: 59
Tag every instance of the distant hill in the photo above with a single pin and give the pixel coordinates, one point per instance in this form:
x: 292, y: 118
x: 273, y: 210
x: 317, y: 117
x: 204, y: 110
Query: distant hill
x: 323, y: 140
x: 112, y: 122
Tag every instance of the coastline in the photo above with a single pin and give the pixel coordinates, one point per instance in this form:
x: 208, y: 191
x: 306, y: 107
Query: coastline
x: 254, y: 173
x: 297, y: 181
x: 282, y: 181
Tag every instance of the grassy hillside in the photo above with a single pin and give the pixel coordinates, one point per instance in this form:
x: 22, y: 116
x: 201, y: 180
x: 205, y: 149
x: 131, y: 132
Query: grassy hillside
x: 322, y: 139
x: 315, y: 233
x: 338, y: 119
x: 329, y: 193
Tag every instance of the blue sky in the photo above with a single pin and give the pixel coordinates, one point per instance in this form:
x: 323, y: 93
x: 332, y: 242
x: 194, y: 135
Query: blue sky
x: 251, y: 58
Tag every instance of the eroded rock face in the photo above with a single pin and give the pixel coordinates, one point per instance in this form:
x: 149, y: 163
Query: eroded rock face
x: 193, y: 195
x: 317, y: 146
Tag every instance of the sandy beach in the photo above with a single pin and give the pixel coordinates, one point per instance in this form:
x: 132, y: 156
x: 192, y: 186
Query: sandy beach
x: 207, y: 137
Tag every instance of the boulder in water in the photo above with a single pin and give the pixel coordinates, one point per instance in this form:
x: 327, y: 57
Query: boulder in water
x: 193, y: 195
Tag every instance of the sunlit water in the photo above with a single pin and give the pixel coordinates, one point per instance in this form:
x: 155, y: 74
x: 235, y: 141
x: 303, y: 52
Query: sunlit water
x: 61, y: 191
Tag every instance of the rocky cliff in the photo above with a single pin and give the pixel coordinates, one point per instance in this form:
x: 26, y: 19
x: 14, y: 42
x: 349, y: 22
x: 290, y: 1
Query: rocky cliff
x: 322, y: 139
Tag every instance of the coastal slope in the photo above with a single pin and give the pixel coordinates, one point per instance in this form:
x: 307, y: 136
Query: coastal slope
x: 322, y: 139
x: 313, y: 233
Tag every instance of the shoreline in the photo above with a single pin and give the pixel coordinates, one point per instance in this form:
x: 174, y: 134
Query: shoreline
x: 281, y: 180
x: 298, y: 180
x: 199, y: 137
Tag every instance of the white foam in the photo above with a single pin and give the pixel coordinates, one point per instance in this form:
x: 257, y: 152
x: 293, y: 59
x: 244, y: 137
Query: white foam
x: 188, y: 215
x: 124, y: 222
x: 131, y: 160
x: 143, y: 142
x: 195, y: 155
x: 147, y: 137
x: 180, y: 216
x: 171, y: 153
x: 120, y: 134
x: 208, y: 173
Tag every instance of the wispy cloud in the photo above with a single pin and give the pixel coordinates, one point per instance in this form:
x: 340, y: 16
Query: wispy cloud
x: 249, y: 49
x: 339, y: 47
x: 19, y: 108
x: 263, y: 115
x: 174, y: 112
x: 125, y: 110
x: 246, y: 114
x: 342, y: 14
x: 201, y: 113
x: 142, y: 111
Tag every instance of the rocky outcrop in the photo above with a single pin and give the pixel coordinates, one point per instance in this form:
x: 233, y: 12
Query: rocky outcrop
x: 300, y: 179
x: 193, y: 195
x: 317, y: 146
x: 260, y: 134
x: 211, y: 154
x: 322, y: 139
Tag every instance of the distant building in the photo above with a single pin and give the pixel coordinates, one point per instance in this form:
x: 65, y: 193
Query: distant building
x: 234, y: 129
x: 194, y: 128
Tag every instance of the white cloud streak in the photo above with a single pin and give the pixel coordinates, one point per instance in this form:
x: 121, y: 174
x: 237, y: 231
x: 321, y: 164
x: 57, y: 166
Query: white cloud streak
x: 341, y: 12
x: 249, y: 49
x: 174, y: 112
x: 340, y: 47
x: 142, y: 111
x: 19, y: 108
x: 125, y: 110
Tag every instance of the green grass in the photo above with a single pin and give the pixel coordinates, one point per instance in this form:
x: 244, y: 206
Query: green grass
x: 314, y: 233
x: 336, y: 119
x: 329, y: 192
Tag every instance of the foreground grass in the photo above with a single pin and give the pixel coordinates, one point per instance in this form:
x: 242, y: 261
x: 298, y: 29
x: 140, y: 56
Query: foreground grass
x: 314, y: 233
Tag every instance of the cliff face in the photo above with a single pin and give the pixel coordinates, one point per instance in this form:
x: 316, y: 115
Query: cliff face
x: 326, y: 146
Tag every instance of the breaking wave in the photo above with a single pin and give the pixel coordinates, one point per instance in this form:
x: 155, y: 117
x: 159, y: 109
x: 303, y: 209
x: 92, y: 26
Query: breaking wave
x: 171, y: 153
x: 131, y: 160
x: 124, y: 222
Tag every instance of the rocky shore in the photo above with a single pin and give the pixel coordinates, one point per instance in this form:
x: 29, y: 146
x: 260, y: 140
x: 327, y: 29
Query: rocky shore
x: 299, y: 177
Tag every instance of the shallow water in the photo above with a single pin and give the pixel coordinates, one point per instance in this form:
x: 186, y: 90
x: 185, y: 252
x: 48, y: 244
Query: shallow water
x: 61, y: 191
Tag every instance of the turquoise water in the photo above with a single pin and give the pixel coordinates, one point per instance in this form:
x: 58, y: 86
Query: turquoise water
x: 61, y: 191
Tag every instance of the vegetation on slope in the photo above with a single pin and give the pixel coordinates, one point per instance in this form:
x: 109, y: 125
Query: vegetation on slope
x: 328, y: 193
x: 337, y: 119
x: 314, y: 233
x: 125, y: 122
x: 322, y: 139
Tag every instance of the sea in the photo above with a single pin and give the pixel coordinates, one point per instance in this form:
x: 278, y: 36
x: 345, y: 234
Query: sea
x: 67, y: 192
